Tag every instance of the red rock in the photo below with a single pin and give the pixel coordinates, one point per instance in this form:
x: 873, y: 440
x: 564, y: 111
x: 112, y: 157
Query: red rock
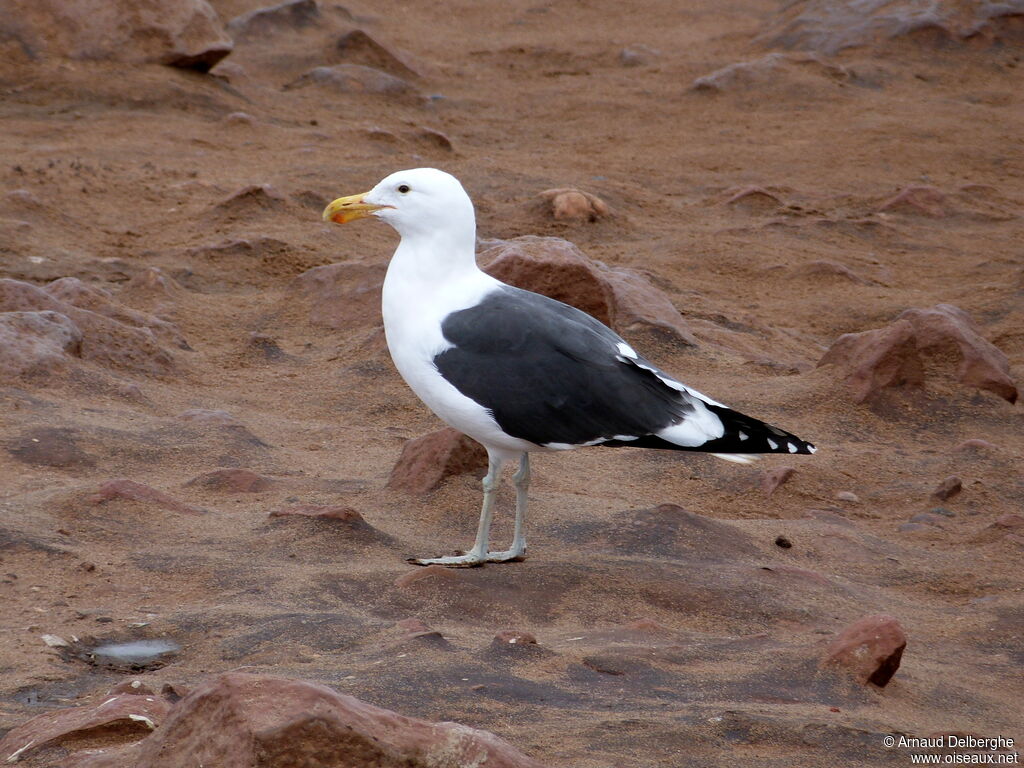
x: 144, y: 494
x: 342, y: 296
x: 948, y: 488
x: 919, y: 201
x: 78, y: 294
x: 180, y: 33
x: 754, y: 199
x: 251, y: 199
x: 771, y: 479
x: 647, y: 625
x: 343, y: 518
x: 124, y: 716
x: 263, y: 22
x: 426, y: 461
x: 435, y: 139
x: 413, y: 627
x: 135, y: 687
x: 870, y: 649
x: 50, y: 447
x: 824, y: 268
x: 235, y: 720
x: 573, y: 205
x: 829, y: 27
x: 232, y: 481
x: 343, y: 514
x: 355, y: 78
x: 360, y: 47
x: 103, y: 339
x: 895, y: 356
x: 1008, y: 526
x: 514, y: 637
x: 430, y: 576
x: 36, y: 345
x: 152, y: 287
x: 621, y: 298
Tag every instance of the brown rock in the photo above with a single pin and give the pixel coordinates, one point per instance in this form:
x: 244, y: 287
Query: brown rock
x: 360, y: 47
x: 434, y: 139
x: 50, y: 447
x: 78, y: 294
x: 975, y: 445
x: 180, y: 33
x: 573, y: 205
x: 342, y: 296
x: 152, y: 286
x: 621, y: 298
x: 638, y: 55
x: 870, y: 649
x: 264, y: 22
x: 429, y: 578
x: 773, y: 478
x: 514, y: 637
x: 125, y: 716
x: 917, y: 201
x: 232, y: 481
x: 895, y: 356
x: 252, y: 198
x: 339, y: 518
x: 144, y: 494
x: 36, y: 345
x: 753, y: 199
x: 355, y: 78
x: 136, y: 687
x: 104, y: 340
x: 235, y: 720
x: 948, y: 488
x: 426, y: 461
x: 414, y: 629
x: 829, y: 27
x: 800, y: 75
x: 1009, y: 526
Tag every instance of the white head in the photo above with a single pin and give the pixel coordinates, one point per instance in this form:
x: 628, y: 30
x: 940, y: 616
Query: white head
x: 422, y: 202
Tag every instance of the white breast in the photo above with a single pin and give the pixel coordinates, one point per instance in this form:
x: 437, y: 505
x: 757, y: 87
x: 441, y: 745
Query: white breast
x: 413, y: 311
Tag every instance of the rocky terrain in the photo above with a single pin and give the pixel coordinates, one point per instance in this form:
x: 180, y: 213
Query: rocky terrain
x: 211, y: 475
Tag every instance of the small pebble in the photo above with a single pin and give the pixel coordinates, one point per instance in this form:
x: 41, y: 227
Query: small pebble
x: 783, y: 542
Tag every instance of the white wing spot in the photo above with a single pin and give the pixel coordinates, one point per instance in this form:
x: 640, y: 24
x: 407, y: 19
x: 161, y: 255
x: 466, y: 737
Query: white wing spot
x: 744, y: 435
x: 625, y: 437
x: 812, y: 449
x: 626, y: 350
x: 773, y: 444
x: 792, y: 448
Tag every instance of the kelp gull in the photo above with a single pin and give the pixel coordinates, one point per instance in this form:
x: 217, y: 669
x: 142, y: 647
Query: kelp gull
x: 521, y: 372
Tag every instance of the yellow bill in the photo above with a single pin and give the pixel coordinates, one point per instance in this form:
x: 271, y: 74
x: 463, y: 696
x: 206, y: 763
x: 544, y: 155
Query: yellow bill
x: 346, y: 209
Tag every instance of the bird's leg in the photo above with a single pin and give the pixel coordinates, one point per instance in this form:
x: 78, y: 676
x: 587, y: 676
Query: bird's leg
x: 478, y: 554
x: 521, y: 480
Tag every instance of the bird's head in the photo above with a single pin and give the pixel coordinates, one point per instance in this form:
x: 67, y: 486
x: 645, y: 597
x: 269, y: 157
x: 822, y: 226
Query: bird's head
x: 415, y: 201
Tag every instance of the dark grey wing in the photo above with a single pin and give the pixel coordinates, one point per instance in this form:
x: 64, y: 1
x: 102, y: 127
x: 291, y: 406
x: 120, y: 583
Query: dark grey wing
x: 550, y: 373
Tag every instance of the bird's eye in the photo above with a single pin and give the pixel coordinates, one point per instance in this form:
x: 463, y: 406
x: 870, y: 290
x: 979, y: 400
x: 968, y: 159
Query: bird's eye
x: 403, y: 188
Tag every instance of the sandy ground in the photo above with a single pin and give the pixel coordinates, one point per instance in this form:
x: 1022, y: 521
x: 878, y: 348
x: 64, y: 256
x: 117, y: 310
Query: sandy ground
x: 663, y: 638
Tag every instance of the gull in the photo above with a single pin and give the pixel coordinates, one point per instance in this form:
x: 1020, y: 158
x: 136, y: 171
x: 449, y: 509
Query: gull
x: 517, y: 371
